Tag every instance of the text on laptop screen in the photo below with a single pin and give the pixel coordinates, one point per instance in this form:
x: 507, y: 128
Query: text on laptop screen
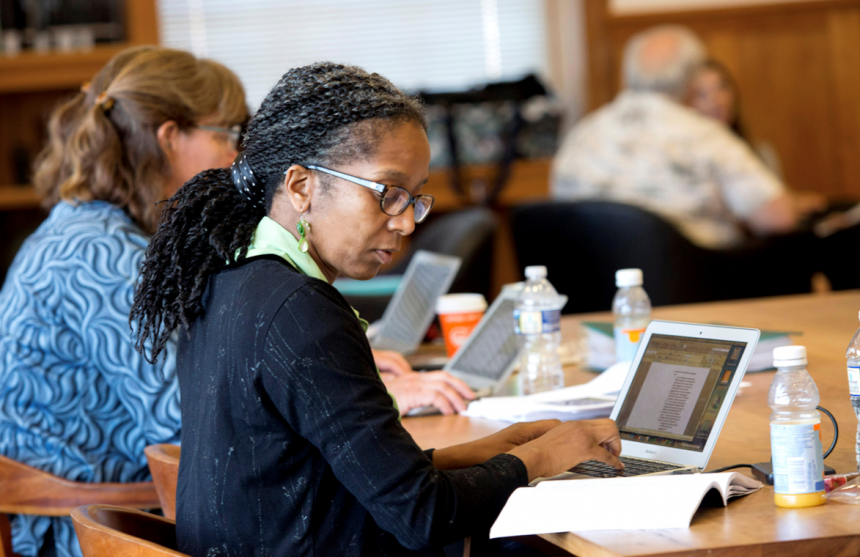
x: 678, y: 390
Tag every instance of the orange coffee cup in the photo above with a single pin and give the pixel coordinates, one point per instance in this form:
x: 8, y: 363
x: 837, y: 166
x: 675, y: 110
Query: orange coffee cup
x: 459, y: 314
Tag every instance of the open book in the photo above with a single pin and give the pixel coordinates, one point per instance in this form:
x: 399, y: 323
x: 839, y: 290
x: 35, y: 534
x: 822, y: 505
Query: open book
x: 642, y: 502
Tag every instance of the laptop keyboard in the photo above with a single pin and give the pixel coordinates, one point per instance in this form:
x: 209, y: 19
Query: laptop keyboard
x: 633, y: 467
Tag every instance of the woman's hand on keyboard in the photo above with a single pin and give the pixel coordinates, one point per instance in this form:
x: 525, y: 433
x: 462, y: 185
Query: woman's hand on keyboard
x: 481, y: 450
x: 569, y: 444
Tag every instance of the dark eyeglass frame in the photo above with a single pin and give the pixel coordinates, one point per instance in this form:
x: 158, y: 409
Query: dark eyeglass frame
x: 381, y: 189
x: 234, y: 132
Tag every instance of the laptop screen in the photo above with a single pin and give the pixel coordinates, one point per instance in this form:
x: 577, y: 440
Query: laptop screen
x: 413, y: 306
x: 678, y: 390
x: 493, y: 347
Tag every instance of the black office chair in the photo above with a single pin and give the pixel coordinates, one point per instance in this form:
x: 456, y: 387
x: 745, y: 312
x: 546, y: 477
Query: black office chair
x: 467, y: 234
x: 584, y: 243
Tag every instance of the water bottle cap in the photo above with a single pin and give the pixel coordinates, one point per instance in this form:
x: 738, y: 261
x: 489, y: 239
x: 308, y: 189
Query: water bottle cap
x: 536, y: 272
x: 789, y: 356
x: 628, y: 277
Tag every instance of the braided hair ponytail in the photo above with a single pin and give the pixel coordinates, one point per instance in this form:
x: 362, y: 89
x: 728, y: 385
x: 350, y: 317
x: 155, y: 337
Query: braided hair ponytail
x: 322, y: 114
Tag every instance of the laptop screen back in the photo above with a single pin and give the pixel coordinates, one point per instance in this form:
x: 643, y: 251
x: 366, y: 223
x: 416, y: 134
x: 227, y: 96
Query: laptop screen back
x: 413, y: 306
x: 492, y: 348
x: 678, y: 390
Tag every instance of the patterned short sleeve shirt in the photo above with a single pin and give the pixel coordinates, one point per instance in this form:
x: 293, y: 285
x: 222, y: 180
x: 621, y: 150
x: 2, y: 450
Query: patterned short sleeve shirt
x: 76, y: 399
x: 644, y: 149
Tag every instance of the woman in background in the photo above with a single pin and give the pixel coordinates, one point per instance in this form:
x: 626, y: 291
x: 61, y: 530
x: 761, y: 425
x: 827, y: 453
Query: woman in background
x: 76, y: 399
x: 713, y: 92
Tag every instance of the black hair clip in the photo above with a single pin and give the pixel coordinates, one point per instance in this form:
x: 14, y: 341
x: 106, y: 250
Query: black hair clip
x: 246, y: 182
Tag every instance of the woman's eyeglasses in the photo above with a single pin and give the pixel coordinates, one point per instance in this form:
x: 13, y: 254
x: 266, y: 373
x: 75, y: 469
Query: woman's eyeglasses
x: 234, y: 133
x: 394, y: 200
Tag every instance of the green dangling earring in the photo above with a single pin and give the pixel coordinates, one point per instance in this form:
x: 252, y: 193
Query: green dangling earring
x: 303, y: 228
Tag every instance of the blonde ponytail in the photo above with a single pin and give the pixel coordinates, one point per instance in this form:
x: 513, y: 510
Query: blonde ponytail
x: 102, y: 143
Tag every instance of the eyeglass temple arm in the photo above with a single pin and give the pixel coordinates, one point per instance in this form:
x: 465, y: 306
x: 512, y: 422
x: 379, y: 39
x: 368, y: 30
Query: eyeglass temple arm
x: 360, y: 181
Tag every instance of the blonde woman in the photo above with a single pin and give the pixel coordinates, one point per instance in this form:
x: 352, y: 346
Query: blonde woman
x: 76, y: 399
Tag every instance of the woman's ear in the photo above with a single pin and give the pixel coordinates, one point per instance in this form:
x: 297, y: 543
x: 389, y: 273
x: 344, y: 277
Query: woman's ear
x: 167, y: 136
x: 299, y: 188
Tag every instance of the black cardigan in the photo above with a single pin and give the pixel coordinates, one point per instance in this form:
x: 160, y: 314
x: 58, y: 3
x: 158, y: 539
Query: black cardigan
x: 290, y: 442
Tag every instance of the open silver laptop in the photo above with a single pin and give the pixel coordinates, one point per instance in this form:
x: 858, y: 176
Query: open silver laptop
x: 411, y: 309
x: 489, y: 355
x: 676, y: 398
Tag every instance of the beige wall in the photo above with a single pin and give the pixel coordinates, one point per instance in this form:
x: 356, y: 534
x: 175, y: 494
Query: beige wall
x: 567, y: 53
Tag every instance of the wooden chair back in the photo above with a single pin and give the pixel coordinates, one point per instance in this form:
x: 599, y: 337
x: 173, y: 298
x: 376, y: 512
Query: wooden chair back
x: 107, y: 531
x: 163, y: 462
x: 27, y: 490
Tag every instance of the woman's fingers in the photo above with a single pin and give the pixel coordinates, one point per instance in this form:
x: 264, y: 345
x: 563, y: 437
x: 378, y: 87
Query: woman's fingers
x: 413, y: 390
x: 391, y: 362
x: 538, y: 428
x: 443, y: 404
x: 449, y: 394
x: 606, y: 435
x: 564, y: 446
x: 458, y: 385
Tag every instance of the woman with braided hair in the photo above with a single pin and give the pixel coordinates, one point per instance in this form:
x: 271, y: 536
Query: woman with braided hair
x: 77, y: 400
x: 291, y: 444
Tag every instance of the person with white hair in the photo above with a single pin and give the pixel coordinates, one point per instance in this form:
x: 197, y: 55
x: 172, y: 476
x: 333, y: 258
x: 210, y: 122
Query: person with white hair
x: 646, y: 148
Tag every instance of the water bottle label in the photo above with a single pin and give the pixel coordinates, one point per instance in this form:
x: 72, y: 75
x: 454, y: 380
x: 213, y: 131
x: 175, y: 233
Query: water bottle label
x: 537, y: 322
x: 797, y: 463
x: 627, y: 343
x: 854, y: 380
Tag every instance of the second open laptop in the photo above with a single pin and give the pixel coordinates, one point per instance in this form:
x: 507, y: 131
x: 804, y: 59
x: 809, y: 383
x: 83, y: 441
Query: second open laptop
x: 675, y: 398
x: 413, y: 306
x: 487, y: 358
x: 489, y: 355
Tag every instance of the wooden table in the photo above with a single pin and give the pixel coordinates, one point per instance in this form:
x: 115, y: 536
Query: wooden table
x: 750, y: 525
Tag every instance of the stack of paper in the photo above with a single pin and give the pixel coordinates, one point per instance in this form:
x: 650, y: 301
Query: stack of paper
x: 762, y: 358
x: 594, y: 399
x: 642, y: 502
x: 601, y: 346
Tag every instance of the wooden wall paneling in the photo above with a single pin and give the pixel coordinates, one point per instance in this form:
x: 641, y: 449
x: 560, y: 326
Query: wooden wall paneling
x: 141, y: 17
x: 600, y: 64
x: 844, y: 64
x: 784, y: 79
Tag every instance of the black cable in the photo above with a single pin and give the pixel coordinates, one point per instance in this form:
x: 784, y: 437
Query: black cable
x: 732, y: 467
x: 835, y: 430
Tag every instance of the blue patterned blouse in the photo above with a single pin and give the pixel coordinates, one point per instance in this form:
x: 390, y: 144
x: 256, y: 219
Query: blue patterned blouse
x: 76, y: 399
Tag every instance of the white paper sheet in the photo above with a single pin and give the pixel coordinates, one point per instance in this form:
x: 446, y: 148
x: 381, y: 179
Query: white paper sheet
x: 589, y: 400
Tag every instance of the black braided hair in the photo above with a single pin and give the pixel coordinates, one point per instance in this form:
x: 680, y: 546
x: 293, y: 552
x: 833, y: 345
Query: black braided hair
x: 322, y: 114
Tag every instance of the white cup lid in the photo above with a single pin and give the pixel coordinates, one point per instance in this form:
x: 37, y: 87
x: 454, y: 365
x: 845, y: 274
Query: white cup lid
x: 789, y: 356
x: 628, y: 277
x: 461, y: 303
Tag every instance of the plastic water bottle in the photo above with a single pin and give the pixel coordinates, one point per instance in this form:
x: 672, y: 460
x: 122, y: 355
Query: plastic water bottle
x: 795, y: 432
x: 632, y: 309
x: 537, y: 320
x: 853, y: 355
